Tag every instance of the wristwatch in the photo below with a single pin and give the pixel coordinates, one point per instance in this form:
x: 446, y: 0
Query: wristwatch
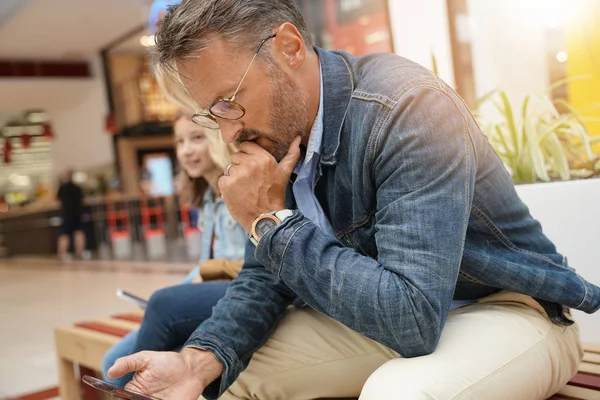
x: 264, y: 222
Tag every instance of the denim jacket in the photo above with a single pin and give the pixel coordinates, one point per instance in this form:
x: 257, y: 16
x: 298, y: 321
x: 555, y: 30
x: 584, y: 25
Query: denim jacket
x: 424, y: 212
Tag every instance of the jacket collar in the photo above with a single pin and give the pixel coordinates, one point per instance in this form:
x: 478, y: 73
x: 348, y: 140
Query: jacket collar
x: 338, y: 86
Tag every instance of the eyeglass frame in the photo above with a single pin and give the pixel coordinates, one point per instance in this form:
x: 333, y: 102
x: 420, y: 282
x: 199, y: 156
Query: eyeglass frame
x: 231, y: 100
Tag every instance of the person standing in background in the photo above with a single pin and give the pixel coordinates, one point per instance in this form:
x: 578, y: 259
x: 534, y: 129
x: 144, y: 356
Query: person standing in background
x: 70, y: 197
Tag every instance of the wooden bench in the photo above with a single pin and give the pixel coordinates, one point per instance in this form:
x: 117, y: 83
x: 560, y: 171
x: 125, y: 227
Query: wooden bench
x: 83, y: 345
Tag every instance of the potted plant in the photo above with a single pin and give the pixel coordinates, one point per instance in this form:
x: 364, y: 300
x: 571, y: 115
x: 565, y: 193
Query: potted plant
x: 539, y: 144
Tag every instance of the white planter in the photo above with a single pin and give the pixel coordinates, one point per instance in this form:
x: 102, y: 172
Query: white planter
x: 570, y: 215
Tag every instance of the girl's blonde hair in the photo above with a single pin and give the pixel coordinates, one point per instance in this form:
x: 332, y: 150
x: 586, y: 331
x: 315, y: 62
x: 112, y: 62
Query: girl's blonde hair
x: 220, y: 152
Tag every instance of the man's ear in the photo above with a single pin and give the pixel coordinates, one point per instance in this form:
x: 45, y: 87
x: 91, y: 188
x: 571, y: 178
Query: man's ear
x: 288, y: 48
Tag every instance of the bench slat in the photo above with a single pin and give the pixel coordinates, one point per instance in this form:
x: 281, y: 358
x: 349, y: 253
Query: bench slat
x: 42, y: 394
x: 589, y: 368
x: 586, y: 381
x: 119, y: 323
x: 129, y: 317
x: 99, y: 327
x: 593, y: 358
x: 573, y: 392
x: 591, y: 348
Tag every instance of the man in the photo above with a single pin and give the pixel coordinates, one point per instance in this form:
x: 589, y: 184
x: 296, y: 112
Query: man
x: 70, y: 197
x: 424, y: 273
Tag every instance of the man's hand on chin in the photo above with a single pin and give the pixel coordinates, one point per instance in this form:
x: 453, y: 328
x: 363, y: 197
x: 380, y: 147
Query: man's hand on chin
x: 256, y: 182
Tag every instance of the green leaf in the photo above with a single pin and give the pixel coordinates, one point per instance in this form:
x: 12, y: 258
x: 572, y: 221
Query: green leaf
x: 499, y: 107
x: 535, y: 151
x: 524, y: 171
x: 510, y: 120
x: 525, y: 105
x: 563, y: 121
x: 572, y: 110
x: 545, y: 100
x: 508, y: 149
x: 434, y: 64
x: 559, y: 159
x: 566, y: 81
x: 590, y: 107
x: 581, y: 132
x: 484, y: 99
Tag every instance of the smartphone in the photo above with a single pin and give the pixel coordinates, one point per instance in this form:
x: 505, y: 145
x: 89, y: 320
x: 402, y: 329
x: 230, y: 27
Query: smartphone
x: 133, y: 298
x: 113, y: 390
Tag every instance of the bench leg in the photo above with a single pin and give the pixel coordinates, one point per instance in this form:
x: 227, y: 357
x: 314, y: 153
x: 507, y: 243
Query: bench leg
x: 89, y: 393
x: 68, y: 382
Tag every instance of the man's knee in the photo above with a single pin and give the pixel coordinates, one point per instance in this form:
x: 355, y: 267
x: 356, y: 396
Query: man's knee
x: 400, y: 378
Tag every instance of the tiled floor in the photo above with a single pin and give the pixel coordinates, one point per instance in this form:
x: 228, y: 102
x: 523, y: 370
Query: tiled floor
x: 37, y: 295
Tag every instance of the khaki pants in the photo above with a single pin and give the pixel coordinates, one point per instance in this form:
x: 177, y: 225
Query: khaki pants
x: 503, y: 347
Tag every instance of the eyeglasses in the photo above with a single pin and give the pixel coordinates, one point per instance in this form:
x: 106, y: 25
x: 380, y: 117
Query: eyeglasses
x: 226, y: 108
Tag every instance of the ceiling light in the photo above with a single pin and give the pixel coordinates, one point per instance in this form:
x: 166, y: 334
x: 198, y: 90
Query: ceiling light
x: 562, y: 57
x: 147, y: 41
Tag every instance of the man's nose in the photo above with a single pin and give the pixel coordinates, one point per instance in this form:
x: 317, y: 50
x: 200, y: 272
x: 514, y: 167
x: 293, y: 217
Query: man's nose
x: 230, y: 130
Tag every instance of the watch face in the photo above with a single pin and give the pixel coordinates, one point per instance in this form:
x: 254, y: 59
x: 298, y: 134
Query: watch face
x: 264, y: 225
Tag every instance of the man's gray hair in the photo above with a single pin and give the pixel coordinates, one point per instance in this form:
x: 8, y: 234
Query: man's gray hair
x: 189, y: 27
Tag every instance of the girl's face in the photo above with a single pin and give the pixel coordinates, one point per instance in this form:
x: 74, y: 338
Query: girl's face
x: 192, y: 148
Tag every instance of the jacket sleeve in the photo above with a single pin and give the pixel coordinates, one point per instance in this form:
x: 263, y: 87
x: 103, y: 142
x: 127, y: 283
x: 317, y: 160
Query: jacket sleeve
x: 242, y: 320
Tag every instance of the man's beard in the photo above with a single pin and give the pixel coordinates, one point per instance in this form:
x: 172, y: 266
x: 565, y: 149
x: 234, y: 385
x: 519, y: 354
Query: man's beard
x: 288, y: 117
